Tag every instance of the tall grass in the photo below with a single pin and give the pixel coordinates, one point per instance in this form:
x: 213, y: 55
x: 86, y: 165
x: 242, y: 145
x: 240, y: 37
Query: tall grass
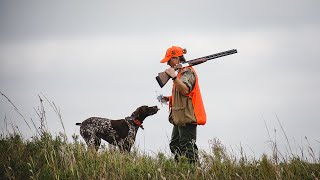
x: 47, y: 157
x: 54, y: 157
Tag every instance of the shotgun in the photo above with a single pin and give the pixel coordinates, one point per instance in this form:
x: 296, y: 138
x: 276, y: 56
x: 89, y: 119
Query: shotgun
x: 163, y: 77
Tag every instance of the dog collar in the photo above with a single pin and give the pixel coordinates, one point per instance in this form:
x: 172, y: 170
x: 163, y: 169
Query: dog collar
x: 138, y: 123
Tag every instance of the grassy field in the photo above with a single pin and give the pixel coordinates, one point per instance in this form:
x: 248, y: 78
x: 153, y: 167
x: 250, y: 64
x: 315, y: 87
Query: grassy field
x: 45, y: 156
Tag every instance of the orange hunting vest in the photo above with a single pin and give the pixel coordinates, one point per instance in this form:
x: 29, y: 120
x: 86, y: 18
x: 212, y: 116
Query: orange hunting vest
x: 196, y: 99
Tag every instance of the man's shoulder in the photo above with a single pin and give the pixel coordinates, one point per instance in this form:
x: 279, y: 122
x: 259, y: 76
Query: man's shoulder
x: 187, y: 70
x: 188, y: 77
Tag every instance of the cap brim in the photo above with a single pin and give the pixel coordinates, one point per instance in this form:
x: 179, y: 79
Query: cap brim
x: 165, y: 59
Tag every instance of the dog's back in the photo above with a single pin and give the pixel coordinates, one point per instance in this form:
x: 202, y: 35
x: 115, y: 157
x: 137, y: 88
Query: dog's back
x: 96, y: 127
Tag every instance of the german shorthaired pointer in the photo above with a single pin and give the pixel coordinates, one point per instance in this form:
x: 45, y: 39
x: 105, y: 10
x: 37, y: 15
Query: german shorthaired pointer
x: 121, y: 133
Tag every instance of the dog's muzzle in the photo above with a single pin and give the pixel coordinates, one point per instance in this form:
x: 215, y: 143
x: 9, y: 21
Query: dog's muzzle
x: 154, y: 110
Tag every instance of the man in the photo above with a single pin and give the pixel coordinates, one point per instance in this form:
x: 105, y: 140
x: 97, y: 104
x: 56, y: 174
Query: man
x: 185, y: 104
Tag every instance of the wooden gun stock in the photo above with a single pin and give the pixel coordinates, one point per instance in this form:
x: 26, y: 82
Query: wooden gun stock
x: 163, y: 77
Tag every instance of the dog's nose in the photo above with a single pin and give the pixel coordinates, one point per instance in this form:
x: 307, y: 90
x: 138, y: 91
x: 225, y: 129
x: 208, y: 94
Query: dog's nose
x: 156, y: 107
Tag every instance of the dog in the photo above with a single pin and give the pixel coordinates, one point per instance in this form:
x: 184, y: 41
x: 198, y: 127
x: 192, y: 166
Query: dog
x: 121, y: 133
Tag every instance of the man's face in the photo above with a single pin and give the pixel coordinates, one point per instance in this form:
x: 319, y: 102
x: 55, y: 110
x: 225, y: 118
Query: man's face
x: 173, y: 61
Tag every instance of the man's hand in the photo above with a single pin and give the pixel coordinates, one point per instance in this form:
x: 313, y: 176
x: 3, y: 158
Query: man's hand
x: 171, y: 72
x: 165, y: 98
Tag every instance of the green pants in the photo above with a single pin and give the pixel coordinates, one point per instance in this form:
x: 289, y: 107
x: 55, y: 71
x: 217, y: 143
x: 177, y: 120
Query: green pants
x: 183, y: 142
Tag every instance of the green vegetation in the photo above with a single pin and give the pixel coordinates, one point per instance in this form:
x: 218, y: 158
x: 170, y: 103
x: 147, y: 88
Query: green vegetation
x: 47, y: 157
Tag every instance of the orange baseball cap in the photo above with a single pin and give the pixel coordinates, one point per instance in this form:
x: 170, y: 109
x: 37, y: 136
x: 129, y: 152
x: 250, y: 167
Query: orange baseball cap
x: 173, y: 51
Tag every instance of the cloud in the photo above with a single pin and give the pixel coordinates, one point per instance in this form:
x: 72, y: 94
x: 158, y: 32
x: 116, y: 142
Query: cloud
x: 60, y: 18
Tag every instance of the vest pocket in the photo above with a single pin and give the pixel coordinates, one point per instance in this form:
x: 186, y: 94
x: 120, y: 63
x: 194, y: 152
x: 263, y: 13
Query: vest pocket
x: 179, y: 116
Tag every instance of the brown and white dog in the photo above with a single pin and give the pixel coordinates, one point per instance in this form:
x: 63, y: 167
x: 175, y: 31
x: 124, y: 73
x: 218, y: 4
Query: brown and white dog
x: 121, y: 133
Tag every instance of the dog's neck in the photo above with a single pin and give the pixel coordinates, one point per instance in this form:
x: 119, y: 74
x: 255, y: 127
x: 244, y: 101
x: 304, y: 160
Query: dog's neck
x: 134, y: 121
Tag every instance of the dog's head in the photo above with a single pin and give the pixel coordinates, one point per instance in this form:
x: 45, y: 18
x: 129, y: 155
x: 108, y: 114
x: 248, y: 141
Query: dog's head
x: 144, y: 111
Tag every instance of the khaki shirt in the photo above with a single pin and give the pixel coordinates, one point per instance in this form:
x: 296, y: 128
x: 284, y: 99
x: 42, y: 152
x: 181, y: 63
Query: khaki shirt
x: 182, y: 111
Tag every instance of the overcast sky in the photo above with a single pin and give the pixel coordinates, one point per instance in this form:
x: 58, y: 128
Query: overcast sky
x: 101, y: 59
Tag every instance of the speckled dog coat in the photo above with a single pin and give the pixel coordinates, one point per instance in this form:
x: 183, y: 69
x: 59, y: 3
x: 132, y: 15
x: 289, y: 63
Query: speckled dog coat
x: 121, y: 133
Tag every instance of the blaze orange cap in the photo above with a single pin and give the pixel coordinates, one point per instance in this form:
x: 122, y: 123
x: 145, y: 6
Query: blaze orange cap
x: 173, y: 51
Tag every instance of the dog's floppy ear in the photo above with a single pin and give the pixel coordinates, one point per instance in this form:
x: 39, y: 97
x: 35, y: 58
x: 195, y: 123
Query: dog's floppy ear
x: 135, y: 113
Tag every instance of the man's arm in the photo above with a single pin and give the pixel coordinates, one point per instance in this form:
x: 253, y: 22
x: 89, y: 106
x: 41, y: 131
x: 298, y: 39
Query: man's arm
x: 182, y: 87
x: 186, y: 83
